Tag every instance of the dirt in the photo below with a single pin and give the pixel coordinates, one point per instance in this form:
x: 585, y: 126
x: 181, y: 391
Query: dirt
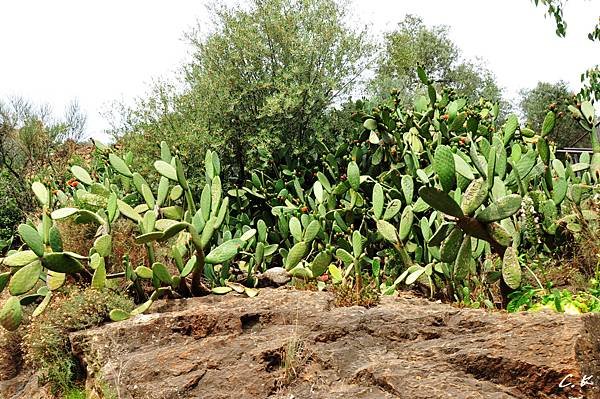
x: 296, y: 344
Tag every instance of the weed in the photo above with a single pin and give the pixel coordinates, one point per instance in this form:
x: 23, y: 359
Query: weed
x: 46, y: 344
x: 346, y: 295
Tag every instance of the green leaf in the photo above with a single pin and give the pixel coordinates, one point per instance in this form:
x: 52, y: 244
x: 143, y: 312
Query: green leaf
x: 544, y: 150
x: 4, y: 278
x: 387, y: 231
x: 295, y: 255
x: 463, y: 259
x: 180, y: 174
x: 248, y: 235
x: 344, y: 256
x: 81, y: 174
x: 463, y: 168
x: 41, y: 192
x: 499, y: 234
x: 318, y: 191
x: 55, y: 280
x: 588, y: 111
x: 320, y: 263
x: 370, y: 124
x: 148, y: 196
x: 20, y: 258
x: 189, y: 266
x: 221, y: 290
x: 414, y: 276
x: 440, y: 234
x: 324, y: 181
x: 143, y: 272
x: 313, y: 228
x: 357, y: 247
x: 149, y: 237
x: 61, y: 262
x: 11, y: 314
x: 512, y: 122
x: 42, y: 306
x: 441, y: 201
x: 444, y: 167
x: 406, y: 222
x: 548, y: 124
x: 353, y: 173
x: 474, y: 196
x: 559, y: 190
x: 166, y: 170
x: 451, y: 246
x: 160, y: 271
x: 165, y: 152
x: 205, y: 201
x: 119, y: 165
x: 215, y: 195
x: 422, y: 75
x: 31, y: 237
x: 295, y: 228
x: 224, y: 252
x: 491, y: 167
x: 25, y: 278
x: 335, y: 272
x: 392, y: 209
x: 119, y: 315
x: 99, y: 277
x: 103, y: 245
x: 128, y: 211
x: 511, y: 268
x: 408, y: 188
x: 504, y: 207
x: 378, y: 200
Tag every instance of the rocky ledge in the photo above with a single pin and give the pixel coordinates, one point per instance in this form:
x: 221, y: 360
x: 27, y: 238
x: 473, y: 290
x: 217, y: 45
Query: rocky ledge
x: 296, y: 344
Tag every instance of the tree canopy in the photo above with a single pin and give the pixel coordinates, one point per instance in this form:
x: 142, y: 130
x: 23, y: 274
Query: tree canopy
x: 265, y: 75
x: 536, y: 103
x: 413, y: 43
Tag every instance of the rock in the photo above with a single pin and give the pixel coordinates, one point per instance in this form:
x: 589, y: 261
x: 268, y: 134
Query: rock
x: 23, y: 386
x: 274, y: 276
x: 236, y: 347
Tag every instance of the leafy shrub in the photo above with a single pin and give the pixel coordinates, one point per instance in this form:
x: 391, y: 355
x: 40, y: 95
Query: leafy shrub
x: 46, y: 339
x: 10, y: 213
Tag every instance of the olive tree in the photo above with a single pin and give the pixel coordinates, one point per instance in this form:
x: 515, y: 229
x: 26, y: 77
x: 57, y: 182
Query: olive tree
x: 263, y: 77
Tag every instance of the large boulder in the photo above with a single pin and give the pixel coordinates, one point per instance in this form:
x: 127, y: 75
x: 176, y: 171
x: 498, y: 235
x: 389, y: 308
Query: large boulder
x: 296, y: 344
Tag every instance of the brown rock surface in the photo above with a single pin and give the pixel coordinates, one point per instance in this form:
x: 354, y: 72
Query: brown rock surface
x: 235, y: 347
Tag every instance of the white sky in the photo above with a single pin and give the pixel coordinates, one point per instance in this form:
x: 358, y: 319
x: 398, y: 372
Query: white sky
x: 102, y: 51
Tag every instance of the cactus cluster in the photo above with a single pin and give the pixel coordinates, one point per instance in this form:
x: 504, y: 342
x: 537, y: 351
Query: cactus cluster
x: 425, y: 195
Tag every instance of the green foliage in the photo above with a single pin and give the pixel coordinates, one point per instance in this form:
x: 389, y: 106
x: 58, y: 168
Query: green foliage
x: 556, y: 97
x: 10, y: 214
x: 263, y: 77
x: 421, y: 196
x: 413, y: 44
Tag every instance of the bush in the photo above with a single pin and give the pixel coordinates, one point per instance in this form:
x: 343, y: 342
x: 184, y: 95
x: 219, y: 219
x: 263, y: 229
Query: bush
x: 46, y: 340
x: 10, y: 213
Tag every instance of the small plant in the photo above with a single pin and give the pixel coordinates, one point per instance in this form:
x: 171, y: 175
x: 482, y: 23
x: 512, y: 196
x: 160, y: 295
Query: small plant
x: 294, y: 357
x: 45, y: 341
x: 346, y: 295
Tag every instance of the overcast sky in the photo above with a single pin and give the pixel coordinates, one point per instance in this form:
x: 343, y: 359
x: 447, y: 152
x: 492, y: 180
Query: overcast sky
x: 102, y: 51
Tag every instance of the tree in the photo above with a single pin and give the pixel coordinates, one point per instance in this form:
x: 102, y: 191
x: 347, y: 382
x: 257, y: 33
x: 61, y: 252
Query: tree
x: 264, y: 77
x: 412, y: 44
x: 30, y: 142
x: 535, y: 104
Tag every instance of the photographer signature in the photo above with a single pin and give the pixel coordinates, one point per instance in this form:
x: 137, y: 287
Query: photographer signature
x: 569, y: 382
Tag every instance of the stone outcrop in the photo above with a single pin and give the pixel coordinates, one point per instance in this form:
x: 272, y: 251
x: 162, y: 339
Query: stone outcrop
x: 296, y: 344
